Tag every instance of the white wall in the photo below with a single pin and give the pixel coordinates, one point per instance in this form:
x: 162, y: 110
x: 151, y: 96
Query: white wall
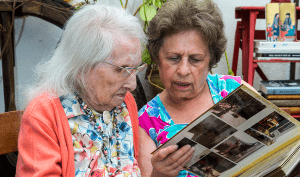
x: 39, y: 39
x: 271, y: 70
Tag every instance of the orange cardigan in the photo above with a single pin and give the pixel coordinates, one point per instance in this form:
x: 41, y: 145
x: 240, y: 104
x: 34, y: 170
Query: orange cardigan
x: 45, y: 141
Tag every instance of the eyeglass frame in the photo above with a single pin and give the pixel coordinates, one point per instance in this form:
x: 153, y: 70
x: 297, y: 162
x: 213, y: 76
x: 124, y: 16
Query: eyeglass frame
x: 137, y: 69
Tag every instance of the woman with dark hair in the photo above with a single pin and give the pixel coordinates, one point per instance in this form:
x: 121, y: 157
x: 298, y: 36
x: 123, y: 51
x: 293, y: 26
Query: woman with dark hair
x: 186, y: 39
x: 286, y: 27
x: 287, y: 22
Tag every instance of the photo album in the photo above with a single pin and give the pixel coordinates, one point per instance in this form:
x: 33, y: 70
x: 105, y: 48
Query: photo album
x: 242, y: 135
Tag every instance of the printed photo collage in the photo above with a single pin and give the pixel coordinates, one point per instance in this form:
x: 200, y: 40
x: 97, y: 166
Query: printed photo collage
x: 219, y: 141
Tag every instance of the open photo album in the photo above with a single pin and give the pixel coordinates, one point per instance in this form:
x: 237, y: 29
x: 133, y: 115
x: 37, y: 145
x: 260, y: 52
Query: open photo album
x: 238, y: 133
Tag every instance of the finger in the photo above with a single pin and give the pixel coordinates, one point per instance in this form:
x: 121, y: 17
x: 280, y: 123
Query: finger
x: 174, y: 157
x: 184, y: 159
x: 180, y: 167
x: 163, y: 153
x: 189, y: 157
x: 177, y: 167
x: 169, y: 165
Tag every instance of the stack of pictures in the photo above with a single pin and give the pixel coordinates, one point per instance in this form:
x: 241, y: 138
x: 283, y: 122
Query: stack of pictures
x: 229, y: 132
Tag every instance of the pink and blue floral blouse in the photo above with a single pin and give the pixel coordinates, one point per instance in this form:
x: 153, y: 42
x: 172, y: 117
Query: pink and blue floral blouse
x: 158, y: 124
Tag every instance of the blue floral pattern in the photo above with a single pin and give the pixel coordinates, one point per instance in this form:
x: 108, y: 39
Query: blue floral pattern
x: 87, y: 142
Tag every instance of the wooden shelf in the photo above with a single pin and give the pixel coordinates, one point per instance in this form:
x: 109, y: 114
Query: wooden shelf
x: 244, y: 39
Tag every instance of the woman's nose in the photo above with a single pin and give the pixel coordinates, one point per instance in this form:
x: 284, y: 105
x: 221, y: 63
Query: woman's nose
x: 130, y: 82
x: 183, y: 68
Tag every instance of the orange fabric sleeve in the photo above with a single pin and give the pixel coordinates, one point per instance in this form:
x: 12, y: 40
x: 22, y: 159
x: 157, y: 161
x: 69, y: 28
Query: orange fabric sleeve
x: 132, y: 109
x: 45, y: 144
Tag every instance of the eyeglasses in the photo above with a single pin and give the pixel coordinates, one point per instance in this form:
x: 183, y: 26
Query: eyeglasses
x: 127, y: 71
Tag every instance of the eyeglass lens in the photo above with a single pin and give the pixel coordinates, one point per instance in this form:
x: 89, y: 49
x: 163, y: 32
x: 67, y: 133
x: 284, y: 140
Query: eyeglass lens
x: 138, y: 69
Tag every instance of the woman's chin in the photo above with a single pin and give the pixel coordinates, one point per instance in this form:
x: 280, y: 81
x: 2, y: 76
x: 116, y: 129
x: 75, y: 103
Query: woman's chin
x: 181, y: 91
x: 118, y: 100
x: 181, y: 96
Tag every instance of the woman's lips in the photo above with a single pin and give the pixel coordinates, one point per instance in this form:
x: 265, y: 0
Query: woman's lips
x: 182, y: 85
x: 121, y: 95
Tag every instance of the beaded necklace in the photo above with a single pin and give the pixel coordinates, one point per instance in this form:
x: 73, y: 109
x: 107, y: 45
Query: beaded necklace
x: 98, y: 128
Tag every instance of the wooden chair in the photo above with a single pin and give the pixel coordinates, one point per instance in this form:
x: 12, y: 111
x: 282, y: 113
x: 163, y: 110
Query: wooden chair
x: 9, y: 131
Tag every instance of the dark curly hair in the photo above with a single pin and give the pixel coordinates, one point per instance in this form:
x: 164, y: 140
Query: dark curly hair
x: 181, y: 15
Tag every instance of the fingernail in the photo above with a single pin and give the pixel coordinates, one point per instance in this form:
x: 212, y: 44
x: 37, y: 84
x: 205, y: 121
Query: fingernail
x: 188, y: 146
x: 175, y: 146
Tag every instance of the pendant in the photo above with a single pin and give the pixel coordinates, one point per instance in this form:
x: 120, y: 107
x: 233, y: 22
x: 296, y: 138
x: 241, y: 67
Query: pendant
x: 106, y: 117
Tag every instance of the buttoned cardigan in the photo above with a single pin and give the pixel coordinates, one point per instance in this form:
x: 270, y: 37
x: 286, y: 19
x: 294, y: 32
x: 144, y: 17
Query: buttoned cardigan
x: 45, y: 142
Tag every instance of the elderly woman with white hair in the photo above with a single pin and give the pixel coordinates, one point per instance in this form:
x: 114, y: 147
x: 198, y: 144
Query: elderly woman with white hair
x: 81, y: 119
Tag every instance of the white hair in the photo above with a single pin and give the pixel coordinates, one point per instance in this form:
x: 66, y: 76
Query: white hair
x: 88, y: 38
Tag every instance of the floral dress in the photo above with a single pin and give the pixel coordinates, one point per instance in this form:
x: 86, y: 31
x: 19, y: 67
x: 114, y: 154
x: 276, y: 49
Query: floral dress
x: 90, y: 158
x: 156, y: 121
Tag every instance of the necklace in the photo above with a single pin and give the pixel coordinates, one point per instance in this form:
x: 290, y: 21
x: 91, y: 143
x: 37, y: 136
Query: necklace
x: 115, y: 130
